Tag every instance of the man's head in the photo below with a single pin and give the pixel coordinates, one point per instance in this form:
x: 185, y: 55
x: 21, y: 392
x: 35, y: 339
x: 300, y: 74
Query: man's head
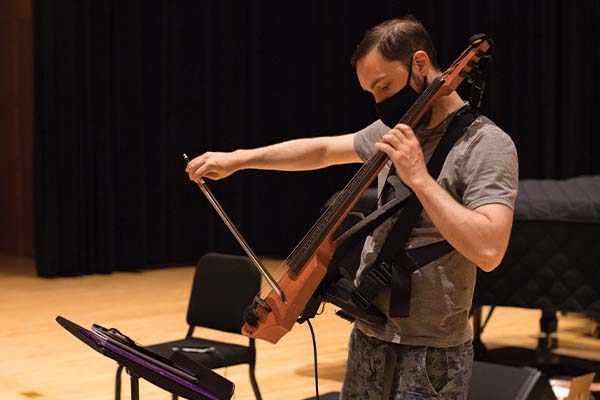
x: 387, y: 53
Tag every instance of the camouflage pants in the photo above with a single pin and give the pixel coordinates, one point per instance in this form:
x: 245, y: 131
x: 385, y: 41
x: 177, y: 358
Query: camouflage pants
x: 419, y: 372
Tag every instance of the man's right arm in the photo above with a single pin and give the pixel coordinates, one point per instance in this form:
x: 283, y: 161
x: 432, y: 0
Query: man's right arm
x: 293, y: 155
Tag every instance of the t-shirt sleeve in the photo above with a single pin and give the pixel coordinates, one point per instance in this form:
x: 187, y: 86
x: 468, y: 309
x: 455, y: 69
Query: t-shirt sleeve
x: 365, y: 139
x: 490, y: 169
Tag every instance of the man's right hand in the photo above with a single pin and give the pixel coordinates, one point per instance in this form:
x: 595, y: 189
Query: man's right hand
x: 212, y: 165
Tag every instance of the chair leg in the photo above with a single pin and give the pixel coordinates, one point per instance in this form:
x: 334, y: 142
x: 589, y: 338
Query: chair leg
x: 479, y: 349
x: 174, y: 396
x: 118, y: 383
x: 253, y: 382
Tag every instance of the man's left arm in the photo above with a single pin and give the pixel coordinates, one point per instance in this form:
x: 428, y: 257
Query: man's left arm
x: 480, y: 234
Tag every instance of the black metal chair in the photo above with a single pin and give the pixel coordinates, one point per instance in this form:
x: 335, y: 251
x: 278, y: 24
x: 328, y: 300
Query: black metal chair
x: 224, y: 285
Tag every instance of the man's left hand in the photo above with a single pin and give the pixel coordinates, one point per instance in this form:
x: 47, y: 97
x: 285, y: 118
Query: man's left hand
x: 403, y: 148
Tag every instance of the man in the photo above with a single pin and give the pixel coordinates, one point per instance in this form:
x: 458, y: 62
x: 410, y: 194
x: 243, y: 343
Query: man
x: 470, y: 205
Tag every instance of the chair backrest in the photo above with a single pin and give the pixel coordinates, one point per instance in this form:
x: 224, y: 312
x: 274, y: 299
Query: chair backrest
x: 224, y: 285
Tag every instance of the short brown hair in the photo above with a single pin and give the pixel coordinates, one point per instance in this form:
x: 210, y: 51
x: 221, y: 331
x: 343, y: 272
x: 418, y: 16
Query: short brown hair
x: 397, y: 40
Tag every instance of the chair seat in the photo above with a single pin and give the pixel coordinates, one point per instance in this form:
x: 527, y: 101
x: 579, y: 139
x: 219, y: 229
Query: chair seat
x: 224, y: 354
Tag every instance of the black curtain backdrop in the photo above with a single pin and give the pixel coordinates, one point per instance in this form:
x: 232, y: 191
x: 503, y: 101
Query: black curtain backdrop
x: 122, y: 88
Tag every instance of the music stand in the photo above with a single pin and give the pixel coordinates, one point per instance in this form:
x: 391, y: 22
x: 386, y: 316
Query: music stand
x: 178, y: 375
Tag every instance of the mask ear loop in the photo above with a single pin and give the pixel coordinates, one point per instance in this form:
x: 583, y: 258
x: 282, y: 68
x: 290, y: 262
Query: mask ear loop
x: 409, y: 71
x: 425, y: 84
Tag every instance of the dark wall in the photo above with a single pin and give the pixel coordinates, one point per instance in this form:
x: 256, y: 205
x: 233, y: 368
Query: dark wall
x: 124, y: 87
x: 16, y: 130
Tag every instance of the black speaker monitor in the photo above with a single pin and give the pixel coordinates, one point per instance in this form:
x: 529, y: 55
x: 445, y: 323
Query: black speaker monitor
x: 501, y: 382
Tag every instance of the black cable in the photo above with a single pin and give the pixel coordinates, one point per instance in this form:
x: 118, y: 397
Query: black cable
x: 312, y: 333
x: 487, y: 318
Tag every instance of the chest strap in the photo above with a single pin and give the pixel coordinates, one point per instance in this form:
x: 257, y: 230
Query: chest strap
x: 384, y: 274
x: 357, y: 302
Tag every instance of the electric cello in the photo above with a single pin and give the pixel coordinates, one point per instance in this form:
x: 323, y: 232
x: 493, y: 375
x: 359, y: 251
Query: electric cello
x: 307, y: 264
x: 284, y: 296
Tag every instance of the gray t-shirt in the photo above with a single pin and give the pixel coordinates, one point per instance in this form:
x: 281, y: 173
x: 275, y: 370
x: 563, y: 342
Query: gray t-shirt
x: 481, y: 168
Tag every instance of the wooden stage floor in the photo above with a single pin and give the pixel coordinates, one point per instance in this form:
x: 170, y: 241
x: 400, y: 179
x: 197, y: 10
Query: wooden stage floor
x: 41, y: 360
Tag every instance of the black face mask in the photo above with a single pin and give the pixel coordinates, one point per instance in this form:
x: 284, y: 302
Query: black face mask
x: 392, y: 109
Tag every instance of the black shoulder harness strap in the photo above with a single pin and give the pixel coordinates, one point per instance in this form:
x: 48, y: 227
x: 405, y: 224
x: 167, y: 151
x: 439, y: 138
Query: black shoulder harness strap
x: 393, y: 251
x: 394, y: 264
